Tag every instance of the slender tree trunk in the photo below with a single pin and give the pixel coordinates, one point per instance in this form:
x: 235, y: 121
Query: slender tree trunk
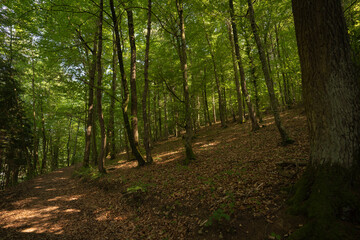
x: 214, y: 107
x: 269, y: 82
x: 44, y: 142
x: 218, y: 85
x: 68, y: 144
x: 183, y: 59
x: 149, y: 158
x: 32, y: 166
x: 94, y: 150
x: 206, y: 105
x: 111, y: 126
x: 75, y: 144
x: 252, y: 115
x: 90, y: 108
x: 133, y: 94
x: 254, y: 81
x: 166, y: 127
x: 125, y: 89
x: 236, y: 73
x: 101, y: 158
x: 286, y: 87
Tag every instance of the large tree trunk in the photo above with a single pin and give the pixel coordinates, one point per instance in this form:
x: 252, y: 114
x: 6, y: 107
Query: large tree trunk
x: 331, y: 94
x: 254, y: 123
x: 146, y: 89
x: 183, y: 59
x: 285, y: 139
x: 90, y: 109
x: 134, y: 119
x: 101, y: 158
x: 125, y: 89
x: 236, y: 73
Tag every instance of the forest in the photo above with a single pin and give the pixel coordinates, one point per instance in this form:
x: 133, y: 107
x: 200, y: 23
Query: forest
x: 180, y: 119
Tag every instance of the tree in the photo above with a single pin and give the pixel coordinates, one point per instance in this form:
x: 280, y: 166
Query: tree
x: 146, y: 89
x: 101, y: 158
x: 331, y: 94
x: 285, y: 139
x: 125, y: 92
x: 190, y: 156
x: 254, y: 122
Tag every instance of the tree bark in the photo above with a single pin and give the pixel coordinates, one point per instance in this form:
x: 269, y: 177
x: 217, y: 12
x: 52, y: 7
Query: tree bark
x: 101, y: 158
x: 133, y: 94
x: 90, y: 108
x: 331, y: 95
x: 75, y: 144
x: 111, y: 126
x: 218, y: 85
x: 125, y: 89
x: 32, y: 167
x: 68, y: 144
x: 285, y: 139
x: 252, y: 115
x: 44, y: 142
x: 236, y: 74
x: 190, y: 156
x: 149, y: 158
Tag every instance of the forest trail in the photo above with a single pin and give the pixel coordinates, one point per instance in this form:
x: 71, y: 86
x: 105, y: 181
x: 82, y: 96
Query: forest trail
x: 234, y: 190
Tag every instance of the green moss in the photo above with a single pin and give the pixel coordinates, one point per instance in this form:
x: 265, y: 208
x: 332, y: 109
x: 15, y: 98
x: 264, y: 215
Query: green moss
x: 322, y: 194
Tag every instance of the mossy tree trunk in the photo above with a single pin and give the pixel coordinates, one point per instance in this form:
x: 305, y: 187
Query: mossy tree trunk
x: 331, y: 94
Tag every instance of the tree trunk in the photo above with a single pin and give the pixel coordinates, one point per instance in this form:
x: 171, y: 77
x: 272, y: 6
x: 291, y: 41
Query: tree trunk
x: 101, y: 158
x: 236, y: 73
x: 285, y: 139
x: 214, y: 108
x: 44, y: 142
x: 125, y: 89
x: 111, y: 126
x: 286, y: 87
x: 218, y: 85
x: 252, y: 115
x: 32, y: 167
x: 190, y: 156
x: 149, y: 158
x: 254, y: 81
x: 75, y: 144
x: 134, y: 118
x: 68, y: 144
x: 331, y: 94
x: 206, y: 105
x: 90, y: 109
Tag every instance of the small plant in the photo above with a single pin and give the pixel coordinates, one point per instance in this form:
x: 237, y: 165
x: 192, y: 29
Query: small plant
x: 217, y: 216
x: 275, y: 236
x: 138, y: 187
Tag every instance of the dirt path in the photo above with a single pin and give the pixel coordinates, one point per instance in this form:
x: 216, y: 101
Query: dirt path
x: 53, y: 206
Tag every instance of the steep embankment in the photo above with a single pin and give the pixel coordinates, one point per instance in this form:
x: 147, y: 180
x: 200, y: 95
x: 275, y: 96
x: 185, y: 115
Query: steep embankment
x: 235, y: 190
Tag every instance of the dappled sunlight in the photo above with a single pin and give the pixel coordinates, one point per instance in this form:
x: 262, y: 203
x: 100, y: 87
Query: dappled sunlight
x: 66, y: 198
x: 25, y: 201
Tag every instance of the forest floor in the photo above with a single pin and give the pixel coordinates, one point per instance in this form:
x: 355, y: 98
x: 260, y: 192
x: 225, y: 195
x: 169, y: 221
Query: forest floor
x: 236, y: 189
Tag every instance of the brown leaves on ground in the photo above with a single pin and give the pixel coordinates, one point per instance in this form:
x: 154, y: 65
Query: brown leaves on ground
x: 236, y: 189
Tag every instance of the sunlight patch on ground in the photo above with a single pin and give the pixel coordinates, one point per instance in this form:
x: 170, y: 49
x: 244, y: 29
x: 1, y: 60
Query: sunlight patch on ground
x: 71, y: 210
x: 66, y: 198
x: 208, y: 145
x: 25, y: 201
